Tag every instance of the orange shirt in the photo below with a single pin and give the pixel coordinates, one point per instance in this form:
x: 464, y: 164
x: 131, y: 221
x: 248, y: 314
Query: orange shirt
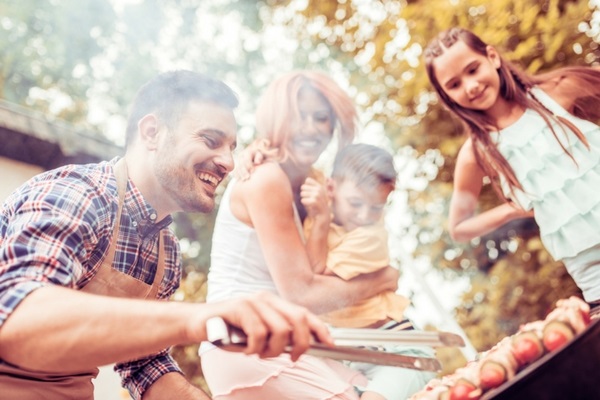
x: 360, y: 251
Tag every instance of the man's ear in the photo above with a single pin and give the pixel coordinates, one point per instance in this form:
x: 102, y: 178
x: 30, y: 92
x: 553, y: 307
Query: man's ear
x: 494, y: 57
x: 148, y: 130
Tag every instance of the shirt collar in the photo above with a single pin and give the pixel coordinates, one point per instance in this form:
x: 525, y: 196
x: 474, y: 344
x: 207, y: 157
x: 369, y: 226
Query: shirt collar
x: 143, y: 215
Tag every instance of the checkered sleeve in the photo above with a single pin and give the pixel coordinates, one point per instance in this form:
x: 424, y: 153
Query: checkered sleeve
x: 47, y: 231
x: 137, y: 376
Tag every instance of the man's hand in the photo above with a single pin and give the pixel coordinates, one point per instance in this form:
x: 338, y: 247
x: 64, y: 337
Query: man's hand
x: 272, y: 323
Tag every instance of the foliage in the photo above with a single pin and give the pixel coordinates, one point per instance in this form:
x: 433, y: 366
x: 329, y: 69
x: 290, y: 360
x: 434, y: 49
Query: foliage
x: 56, y: 55
x: 49, y: 46
x: 82, y: 61
x: 385, y: 41
x: 193, y: 290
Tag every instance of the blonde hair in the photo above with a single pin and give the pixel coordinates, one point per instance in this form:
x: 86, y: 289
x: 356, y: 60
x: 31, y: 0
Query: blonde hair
x: 278, y: 107
x: 365, y: 165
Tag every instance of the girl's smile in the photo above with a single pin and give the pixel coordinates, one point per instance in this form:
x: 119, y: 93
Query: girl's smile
x: 470, y: 79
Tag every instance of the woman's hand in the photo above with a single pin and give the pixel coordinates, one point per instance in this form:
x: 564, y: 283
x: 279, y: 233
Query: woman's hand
x: 255, y: 154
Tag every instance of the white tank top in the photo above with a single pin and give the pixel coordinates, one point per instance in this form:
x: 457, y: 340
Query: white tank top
x: 237, y: 265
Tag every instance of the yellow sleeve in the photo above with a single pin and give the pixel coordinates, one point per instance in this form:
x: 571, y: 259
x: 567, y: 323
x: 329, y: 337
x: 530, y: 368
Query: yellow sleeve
x: 360, y: 251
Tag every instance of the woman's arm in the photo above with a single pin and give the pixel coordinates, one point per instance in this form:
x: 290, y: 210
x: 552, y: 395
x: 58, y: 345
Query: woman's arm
x: 464, y: 223
x: 267, y: 200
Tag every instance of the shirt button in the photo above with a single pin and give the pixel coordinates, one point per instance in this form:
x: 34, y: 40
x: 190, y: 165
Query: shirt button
x: 153, y: 216
x: 134, y: 223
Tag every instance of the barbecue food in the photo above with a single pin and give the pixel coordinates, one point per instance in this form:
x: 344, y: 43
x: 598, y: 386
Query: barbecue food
x: 527, y: 347
x: 569, y: 318
x: 498, y: 365
x: 503, y: 361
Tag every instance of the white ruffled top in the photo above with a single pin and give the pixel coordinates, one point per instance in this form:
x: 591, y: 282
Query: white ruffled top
x: 564, y: 193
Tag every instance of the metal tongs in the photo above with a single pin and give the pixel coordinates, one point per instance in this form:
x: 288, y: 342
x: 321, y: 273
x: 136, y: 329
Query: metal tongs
x: 352, y: 344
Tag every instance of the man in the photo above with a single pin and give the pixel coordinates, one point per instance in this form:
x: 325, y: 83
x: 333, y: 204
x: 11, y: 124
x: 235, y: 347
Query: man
x: 86, y: 257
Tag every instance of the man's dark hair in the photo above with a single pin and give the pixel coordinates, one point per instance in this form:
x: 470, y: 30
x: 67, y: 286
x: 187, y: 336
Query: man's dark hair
x: 169, y: 94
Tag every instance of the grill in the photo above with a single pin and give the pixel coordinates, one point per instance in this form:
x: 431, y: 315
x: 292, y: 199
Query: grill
x: 569, y: 373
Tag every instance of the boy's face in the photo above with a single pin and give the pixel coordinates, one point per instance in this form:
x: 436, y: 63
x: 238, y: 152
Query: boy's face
x: 355, y: 206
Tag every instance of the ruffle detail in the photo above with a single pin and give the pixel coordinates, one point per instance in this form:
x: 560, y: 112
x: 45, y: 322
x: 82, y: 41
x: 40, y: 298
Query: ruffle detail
x: 232, y: 375
x: 579, y: 234
x: 563, y: 191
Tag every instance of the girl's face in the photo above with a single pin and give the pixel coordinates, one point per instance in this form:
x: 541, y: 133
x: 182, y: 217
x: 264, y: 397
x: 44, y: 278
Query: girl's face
x: 313, y: 132
x: 470, y: 79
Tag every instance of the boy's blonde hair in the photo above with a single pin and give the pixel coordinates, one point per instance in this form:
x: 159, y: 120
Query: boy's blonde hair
x: 365, y: 165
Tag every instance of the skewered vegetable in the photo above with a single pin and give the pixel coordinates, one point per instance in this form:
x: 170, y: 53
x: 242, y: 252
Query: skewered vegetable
x: 500, y: 364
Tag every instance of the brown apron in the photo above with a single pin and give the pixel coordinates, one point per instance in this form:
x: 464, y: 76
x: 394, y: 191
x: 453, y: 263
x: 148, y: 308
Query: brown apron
x: 21, y: 384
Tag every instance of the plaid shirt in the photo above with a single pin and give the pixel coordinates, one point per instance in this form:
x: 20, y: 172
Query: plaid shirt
x: 55, y: 229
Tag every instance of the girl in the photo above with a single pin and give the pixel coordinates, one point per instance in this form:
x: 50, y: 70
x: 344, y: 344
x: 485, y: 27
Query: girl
x: 258, y: 245
x: 533, y: 137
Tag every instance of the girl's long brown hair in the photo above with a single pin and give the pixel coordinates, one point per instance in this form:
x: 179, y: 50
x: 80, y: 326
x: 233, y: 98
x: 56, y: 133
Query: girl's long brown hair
x: 514, y: 87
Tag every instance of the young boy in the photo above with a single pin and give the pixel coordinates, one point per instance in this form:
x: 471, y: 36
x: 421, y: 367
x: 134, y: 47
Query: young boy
x: 347, y: 239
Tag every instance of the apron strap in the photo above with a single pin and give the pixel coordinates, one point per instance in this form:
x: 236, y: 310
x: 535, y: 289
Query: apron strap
x: 121, y: 175
x: 111, y: 282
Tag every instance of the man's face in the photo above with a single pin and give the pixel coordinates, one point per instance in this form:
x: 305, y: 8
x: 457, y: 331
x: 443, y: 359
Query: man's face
x: 196, y: 155
x: 355, y: 206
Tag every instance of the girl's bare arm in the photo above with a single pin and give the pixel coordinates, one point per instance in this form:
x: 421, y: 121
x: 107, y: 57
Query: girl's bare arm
x: 464, y: 223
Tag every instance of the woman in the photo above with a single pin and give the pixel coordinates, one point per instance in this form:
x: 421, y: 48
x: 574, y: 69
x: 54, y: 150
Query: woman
x: 258, y: 244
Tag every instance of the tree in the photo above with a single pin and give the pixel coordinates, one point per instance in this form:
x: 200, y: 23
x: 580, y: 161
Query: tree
x: 382, y: 42
x: 47, y: 50
x: 82, y: 61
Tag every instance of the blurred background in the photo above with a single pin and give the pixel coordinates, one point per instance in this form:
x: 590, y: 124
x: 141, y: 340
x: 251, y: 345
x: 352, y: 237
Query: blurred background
x: 68, y: 69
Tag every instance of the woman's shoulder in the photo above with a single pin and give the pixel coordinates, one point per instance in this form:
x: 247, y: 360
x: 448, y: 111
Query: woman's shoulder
x: 267, y: 170
x: 266, y: 176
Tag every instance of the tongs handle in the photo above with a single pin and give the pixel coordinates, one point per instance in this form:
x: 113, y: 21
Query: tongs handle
x: 233, y: 339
